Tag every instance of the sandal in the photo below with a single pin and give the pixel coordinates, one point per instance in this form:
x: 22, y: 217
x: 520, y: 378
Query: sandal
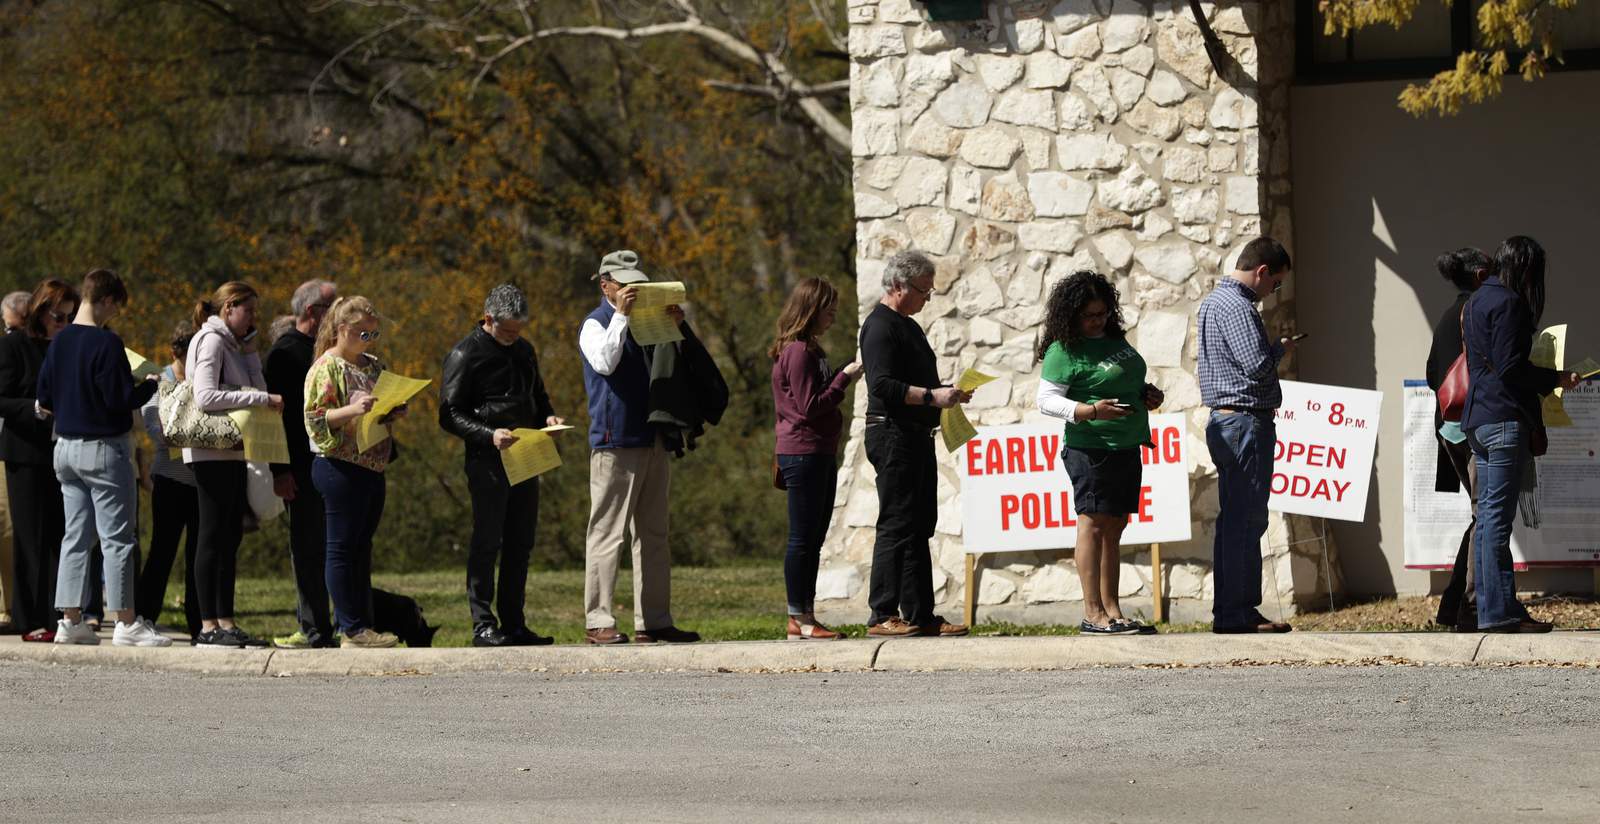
x: 40, y: 636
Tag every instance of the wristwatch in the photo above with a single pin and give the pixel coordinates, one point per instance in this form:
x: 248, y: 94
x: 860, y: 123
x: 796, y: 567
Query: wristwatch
x: 927, y: 397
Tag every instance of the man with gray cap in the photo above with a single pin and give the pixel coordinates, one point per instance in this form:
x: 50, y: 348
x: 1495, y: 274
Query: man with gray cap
x: 491, y: 386
x: 629, y: 476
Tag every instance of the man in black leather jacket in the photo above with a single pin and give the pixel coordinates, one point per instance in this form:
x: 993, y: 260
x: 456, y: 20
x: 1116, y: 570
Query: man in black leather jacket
x: 492, y: 386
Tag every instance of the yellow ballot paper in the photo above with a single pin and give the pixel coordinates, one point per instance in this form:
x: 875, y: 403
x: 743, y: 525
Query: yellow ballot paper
x: 533, y: 454
x: 648, y: 320
x: 558, y: 427
x: 1586, y: 368
x: 391, y: 391
x: 1549, y: 351
x: 954, y: 427
x: 264, y: 439
x: 141, y: 365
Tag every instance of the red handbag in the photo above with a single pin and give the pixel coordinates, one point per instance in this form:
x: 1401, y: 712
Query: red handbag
x: 1452, y: 394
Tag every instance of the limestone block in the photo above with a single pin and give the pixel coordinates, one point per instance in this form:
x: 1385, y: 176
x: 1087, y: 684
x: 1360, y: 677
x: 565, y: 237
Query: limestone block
x: 880, y: 239
x: 1126, y: 87
x: 930, y: 39
x: 1199, y: 137
x: 995, y: 587
x: 1072, y: 15
x: 948, y: 522
x: 862, y: 507
x: 1180, y: 45
x: 930, y: 137
x: 1160, y: 337
x: 1131, y: 581
x: 931, y: 231
x: 1022, y: 317
x: 999, y: 71
x: 1083, y: 44
x: 1024, y: 107
x: 1029, y: 277
x: 871, y: 205
x: 929, y: 72
x: 984, y: 332
x: 940, y: 578
x: 857, y: 15
x: 1185, y: 580
x: 1232, y: 110
x: 913, y: 104
x: 1243, y: 195
x: 1173, y: 262
x: 992, y: 395
x: 1027, y: 36
x: 898, y: 11
x: 838, y: 583
x: 964, y: 104
x: 1149, y: 292
x: 1165, y: 88
x: 989, y: 147
x: 1120, y: 32
x: 978, y: 293
x: 1091, y: 81
x: 1196, y: 233
x: 1252, y: 155
x: 1224, y: 159
x: 1131, y: 191
x: 1154, y: 227
x: 922, y: 183
x: 1235, y: 20
x: 1065, y: 265
x: 965, y: 187
x: 1004, y: 198
x: 1139, y: 60
x: 1090, y: 151
x: 1149, y: 151
x: 1048, y: 71
x: 869, y: 281
x: 1191, y: 206
x: 1036, y: 147
x: 1058, y: 194
x: 877, y: 83
x: 1015, y: 355
x: 1153, y: 120
x: 881, y: 172
x: 1115, y: 248
x: 874, y: 132
x: 1184, y: 165
x: 1051, y: 584
x: 867, y: 42
x: 1049, y: 236
x: 1100, y: 219
x: 987, y: 241
x: 947, y: 336
x: 1076, y: 113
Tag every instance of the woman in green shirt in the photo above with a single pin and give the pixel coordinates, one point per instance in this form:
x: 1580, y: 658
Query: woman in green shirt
x: 1094, y: 380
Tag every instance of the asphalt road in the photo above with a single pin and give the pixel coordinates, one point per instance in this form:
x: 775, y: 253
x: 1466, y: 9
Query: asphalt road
x: 1366, y: 744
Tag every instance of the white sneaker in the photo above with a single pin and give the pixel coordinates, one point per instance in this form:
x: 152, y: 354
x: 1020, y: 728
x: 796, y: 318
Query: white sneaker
x: 140, y: 633
x: 68, y: 632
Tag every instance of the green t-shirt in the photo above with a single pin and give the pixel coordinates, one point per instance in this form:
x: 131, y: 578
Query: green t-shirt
x: 1097, y: 368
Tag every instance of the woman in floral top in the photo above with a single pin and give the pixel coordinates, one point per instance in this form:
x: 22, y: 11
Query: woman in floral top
x: 338, y: 393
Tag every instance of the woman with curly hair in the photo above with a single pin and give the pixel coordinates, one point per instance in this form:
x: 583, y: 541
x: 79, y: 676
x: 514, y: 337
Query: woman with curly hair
x: 1094, y: 380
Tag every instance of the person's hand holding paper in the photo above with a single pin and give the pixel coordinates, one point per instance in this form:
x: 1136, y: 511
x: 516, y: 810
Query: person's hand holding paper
x: 954, y: 426
x: 390, y: 392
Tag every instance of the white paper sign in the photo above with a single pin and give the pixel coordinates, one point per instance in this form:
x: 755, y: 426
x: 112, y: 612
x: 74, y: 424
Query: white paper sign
x: 1322, y: 463
x: 1016, y: 496
x: 1435, y: 520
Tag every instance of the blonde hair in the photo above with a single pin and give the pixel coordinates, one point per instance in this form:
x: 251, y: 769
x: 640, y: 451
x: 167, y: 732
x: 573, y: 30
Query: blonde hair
x: 343, y: 312
x: 232, y: 293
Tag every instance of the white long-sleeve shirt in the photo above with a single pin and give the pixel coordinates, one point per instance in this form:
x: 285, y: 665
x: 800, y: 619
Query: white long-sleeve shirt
x: 602, y: 345
x: 1053, y: 401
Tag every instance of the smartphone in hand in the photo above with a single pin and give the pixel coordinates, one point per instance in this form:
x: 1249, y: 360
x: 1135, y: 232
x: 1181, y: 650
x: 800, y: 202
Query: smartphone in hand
x: 1299, y: 336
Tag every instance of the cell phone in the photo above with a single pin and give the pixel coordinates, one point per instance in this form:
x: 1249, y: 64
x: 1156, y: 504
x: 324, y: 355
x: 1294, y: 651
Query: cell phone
x: 1299, y: 336
x: 1120, y: 405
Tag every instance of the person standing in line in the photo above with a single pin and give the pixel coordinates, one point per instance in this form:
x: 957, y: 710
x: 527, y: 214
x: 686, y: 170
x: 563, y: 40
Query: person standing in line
x: 222, y: 356
x: 174, y: 505
x: 288, y: 363
x: 1504, y: 420
x: 1239, y: 381
x: 491, y: 386
x: 28, y: 450
x: 806, y: 395
x: 904, y: 397
x: 1454, y: 468
x: 90, y: 392
x: 1094, y: 380
x: 14, y: 307
x: 629, y: 476
x: 338, y: 392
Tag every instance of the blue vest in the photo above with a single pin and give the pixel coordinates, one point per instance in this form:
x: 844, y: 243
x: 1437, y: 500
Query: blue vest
x: 619, y: 403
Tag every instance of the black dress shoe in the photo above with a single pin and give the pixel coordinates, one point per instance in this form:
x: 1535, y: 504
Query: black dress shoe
x: 491, y: 637
x: 525, y: 637
x: 1524, y: 625
x: 670, y: 635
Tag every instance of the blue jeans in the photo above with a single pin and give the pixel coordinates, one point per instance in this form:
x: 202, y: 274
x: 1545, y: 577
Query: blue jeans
x: 1241, y: 446
x: 352, y: 498
x: 1501, y: 452
x: 810, y: 481
x: 98, y: 500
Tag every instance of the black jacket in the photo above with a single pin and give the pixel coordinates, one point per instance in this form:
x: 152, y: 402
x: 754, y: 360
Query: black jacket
x: 1441, y: 356
x: 25, y: 439
x: 687, y: 391
x: 487, y: 387
x: 285, y: 371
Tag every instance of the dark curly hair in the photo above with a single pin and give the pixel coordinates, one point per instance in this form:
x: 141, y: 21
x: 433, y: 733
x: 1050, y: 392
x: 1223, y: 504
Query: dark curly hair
x: 1064, y: 309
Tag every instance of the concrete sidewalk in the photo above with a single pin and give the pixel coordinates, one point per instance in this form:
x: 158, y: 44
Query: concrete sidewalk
x: 914, y: 654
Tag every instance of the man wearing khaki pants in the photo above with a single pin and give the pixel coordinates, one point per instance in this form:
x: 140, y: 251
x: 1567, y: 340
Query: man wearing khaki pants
x: 629, y: 477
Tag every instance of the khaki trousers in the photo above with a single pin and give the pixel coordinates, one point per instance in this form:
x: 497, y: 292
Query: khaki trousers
x: 628, y: 496
x: 7, y: 585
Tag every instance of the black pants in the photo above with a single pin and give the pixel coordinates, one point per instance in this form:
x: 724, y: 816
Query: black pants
x: 902, y: 571
x: 308, y: 548
x: 220, y: 488
x: 174, y: 514
x: 503, y: 521
x: 1457, y: 605
x: 37, y: 525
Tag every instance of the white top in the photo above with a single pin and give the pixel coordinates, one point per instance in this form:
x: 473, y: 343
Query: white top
x: 1053, y: 401
x: 602, y: 345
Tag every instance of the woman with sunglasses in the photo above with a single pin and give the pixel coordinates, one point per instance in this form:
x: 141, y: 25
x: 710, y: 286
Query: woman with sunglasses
x: 37, y: 515
x: 339, y: 391
x: 225, y: 372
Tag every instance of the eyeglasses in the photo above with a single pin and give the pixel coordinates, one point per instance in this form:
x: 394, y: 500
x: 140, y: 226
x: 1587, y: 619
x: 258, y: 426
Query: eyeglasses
x: 924, y: 292
x: 369, y: 336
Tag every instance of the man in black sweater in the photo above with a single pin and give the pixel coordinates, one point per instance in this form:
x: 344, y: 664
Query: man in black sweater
x: 904, y: 397
x: 285, y: 370
x: 492, y: 386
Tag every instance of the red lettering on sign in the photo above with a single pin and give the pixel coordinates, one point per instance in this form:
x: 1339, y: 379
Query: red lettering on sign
x: 1030, y: 512
x: 972, y: 458
x: 1171, y: 445
x: 1143, y: 515
x: 1009, y: 505
x: 1015, y: 462
x: 991, y: 458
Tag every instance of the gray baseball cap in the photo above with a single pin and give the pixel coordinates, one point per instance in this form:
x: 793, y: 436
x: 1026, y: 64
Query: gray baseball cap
x: 621, y: 266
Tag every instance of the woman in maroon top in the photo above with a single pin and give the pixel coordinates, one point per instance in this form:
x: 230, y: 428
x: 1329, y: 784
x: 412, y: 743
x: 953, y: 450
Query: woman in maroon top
x: 807, y: 395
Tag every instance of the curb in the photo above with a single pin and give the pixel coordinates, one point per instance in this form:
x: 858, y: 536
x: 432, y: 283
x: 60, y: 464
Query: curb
x: 868, y: 655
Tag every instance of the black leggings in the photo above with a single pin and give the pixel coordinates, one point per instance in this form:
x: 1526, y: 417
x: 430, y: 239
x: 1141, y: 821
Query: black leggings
x: 220, y: 488
x: 174, y: 514
x: 37, y: 524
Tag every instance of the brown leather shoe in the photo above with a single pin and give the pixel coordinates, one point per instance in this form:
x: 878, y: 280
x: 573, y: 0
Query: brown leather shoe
x: 810, y: 632
x: 668, y: 635
x: 892, y: 628
x: 938, y: 627
x: 1261, y: 625
x: 604, y: 635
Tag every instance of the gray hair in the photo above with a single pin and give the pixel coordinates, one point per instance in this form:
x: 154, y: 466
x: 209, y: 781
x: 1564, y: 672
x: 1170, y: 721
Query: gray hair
x: 17, y: 302
x: 905, y: 267
x: 506, y: 302
x: 308, y: 293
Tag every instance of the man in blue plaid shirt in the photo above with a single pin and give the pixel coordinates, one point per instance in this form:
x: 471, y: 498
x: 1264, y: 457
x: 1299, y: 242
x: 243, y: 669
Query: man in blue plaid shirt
x: 1239, y: 381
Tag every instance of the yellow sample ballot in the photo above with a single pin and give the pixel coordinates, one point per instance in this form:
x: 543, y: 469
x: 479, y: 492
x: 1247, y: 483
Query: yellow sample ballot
x: 264, y: 438
x: 1549, y: 351
x: 557, y: 427
x: 955, y: 428
x: 391, y: 391
x: 972, y: 379
x: 648, y: 320
x: 1586, y: 368
x: 533, y: 454
x: 141, y: 365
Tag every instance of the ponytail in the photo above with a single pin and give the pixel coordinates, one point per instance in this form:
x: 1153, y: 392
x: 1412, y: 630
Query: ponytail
x: 343, y: 312
x: 232, y: 293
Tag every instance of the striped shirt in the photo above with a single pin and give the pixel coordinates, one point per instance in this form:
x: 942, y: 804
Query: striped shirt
x: 1238, y: 364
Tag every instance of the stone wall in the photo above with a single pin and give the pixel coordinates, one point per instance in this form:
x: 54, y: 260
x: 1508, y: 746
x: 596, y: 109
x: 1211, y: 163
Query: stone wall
x: 1053, y: 137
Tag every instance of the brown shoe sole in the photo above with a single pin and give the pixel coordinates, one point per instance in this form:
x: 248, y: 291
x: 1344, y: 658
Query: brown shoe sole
x: 619, y: 638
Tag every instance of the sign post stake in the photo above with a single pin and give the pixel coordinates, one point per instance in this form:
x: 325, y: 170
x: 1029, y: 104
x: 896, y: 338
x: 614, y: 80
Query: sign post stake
x: 969, y: 590
x: 1158, y: 612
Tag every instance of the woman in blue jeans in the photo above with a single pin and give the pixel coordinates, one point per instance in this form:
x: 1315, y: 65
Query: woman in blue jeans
x: 1503, y: 421
x: 807, y: 394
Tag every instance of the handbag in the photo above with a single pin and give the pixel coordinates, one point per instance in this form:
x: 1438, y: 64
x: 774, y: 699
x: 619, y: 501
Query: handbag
x: 1452, y: 395
x: 777, y: 476
x: 185, y: 424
